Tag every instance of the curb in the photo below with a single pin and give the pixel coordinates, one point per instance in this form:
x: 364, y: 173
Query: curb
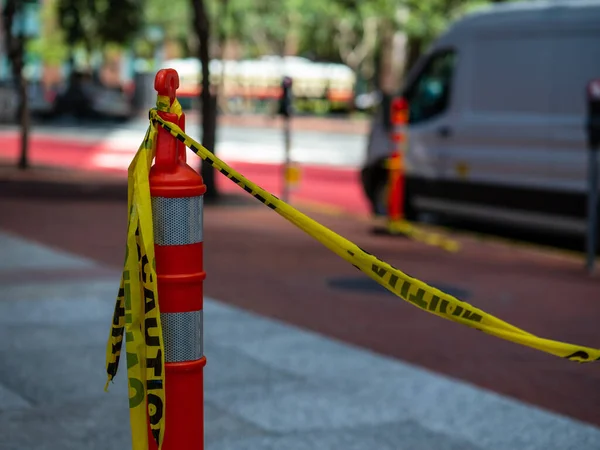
x: 61, y: 184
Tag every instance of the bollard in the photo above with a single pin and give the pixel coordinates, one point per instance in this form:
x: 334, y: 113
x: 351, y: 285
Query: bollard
x: 396, y: 188
x: 396, y: 180
x: 176, y: 190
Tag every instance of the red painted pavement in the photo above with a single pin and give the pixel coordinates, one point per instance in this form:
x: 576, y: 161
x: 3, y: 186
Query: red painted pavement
x: 331, y: 186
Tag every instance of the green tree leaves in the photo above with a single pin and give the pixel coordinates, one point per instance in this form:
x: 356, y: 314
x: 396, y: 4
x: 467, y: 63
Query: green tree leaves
x: 96, y: 23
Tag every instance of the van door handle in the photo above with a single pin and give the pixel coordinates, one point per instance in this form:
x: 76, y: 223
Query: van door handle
x: 444, y: 131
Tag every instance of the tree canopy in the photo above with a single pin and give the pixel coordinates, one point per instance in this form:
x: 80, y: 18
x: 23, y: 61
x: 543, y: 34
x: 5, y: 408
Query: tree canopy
x: 354, y: 32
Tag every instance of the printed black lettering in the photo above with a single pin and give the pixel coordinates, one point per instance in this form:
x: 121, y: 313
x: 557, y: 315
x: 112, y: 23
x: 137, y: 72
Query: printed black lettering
x: 434, y: 303
x: 116, y: 347
x: 378, y: 270
x: 144, y: 273
x: 181, y: 137
x: 155, y: 363
x: 458, y: 311
x: 261, y: 198
x: 154, y: 400
x: 405, y: 289
x: 156, y: 435
x: 579, y: 354
x: 118, y: 315
x: 150, y: 302
x: 417, y: 298
x: 470, y: 315
x: 235, y: 180
x: 444, y: 306
x: 153, y: 385
x: 247, y: 189
x: 111, y: 368
x: 393, y: 281
x: 138, y: 397
x: 225, y: 172
x: 152, y: 341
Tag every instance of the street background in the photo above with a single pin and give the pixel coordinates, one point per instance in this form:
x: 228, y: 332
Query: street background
x: 63, y: 247
x: 303, y: 351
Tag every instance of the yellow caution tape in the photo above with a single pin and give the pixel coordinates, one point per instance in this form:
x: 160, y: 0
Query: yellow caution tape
x: 433, y: 239
x: 137, y: 309
x: 404, y: 286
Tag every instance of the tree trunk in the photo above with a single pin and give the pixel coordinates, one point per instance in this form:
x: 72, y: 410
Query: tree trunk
x: 413, y: 53
x: 207, y: 99
x: 221, y: 99
x: 15, y: 46
x: 386, y: 74
x: 24, y: 119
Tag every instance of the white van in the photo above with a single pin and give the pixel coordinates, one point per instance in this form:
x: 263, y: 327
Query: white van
x: 497, y: 118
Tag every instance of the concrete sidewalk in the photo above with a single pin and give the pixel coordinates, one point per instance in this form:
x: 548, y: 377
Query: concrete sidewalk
x: 268, y: 385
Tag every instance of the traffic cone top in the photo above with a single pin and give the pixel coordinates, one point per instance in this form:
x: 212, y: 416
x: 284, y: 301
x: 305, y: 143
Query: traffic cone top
x: 166, y: 83
x: 399, y: 104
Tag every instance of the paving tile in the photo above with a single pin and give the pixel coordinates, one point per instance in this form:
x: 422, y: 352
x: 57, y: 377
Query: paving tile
x: 18, y: 253
x: 292, y: 406
x: 11, y: 400
x: 46, y: 377
x: 58, y: 303
x: 97, y: 424
x: 392, y: 436
x: 222, y: 426
x: 227, y: 368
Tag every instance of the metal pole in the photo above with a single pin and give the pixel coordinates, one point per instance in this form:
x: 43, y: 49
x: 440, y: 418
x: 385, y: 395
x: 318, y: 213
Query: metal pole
x: 286, y: 162
x: 592, y: 209
x: 593, y: 135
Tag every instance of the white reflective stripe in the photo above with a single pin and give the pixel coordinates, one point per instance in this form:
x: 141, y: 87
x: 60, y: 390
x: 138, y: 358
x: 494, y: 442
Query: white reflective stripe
x: 182, y: 335
x: 177, y: 221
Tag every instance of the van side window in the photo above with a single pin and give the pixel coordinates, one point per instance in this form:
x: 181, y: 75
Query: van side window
x: 429, y: 94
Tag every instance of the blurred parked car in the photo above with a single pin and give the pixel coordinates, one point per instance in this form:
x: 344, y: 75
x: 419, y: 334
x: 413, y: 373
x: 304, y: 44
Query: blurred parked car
x: 86, y: 98
x: 82, y: 98
x: 41, y: 101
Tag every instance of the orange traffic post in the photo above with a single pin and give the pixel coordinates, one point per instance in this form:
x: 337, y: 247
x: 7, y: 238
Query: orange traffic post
x: 177, y: 205
x: 396, y: 179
